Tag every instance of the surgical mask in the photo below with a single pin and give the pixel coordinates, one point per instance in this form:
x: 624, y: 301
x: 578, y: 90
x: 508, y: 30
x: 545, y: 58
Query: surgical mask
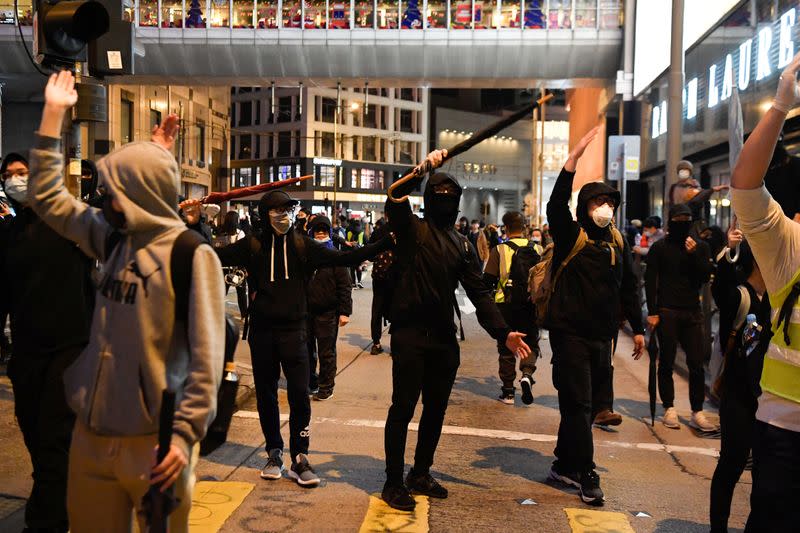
x: 537, y: 240
x: 684, y: 173
x: 280, y: 222
x: 16, y: 188
x: 324, y: 239
x: 602, y: 215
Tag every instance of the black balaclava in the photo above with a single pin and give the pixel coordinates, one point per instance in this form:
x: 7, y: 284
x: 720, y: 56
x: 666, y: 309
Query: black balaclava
x: 678, y: 230
x: 587, y: 192
x: 441, y: 209
x: 88, y: 186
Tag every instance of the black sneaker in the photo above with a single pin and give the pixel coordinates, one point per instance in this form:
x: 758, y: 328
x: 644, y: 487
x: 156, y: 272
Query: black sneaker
x: 590, y: 488
x: 425, y: 484
x: 573, y: 479
x: 526, y: 384
x: 359, y: 285
x: 323, y: 395
x: 398, y: 497
x: 302, y: 472
x: 377, y: 349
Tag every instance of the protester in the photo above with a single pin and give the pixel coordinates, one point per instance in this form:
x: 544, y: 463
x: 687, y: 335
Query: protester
x: 431, y: 259
x: 738, y: 385
x: 492, y: 235
x: 651, y: 234
x: 775, y: 241
x: 6, y: 214
x: 381, y: 281
x: 677, y: 269
x: 355, y: 239
x: 330, y: 305
x: 280, y: 262
x: 134, y: 329
x: 516, y: 255
x: 228, y: 234
x: 537, y: 238
x: 583, y: 317
x: 193, y: 217
x: 463, y: 226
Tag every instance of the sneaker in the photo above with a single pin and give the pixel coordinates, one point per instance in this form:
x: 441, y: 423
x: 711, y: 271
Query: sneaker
x: 526, y: 384
x: 568, y: 478
x: 377, y: 349
x: 323, y: 395
x: 590, y: 489
x: 701, y: 423
x: 607, y: 417
x: 313, y: 390
x: 398, y: 497
x: 359, y: 285
x: 302, y: 472
x: 670, y: 418
x: 507, y: 398
x: 425, y: 484
x: 274, y: 467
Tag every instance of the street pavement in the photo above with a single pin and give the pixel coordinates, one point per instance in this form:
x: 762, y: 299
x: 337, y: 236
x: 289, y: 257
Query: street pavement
x: 492, y: 457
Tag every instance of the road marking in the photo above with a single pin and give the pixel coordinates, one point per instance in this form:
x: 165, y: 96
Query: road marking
x: 380, y: 517
x: 213, y: 502
x: 587, y: 521
x: 504, y: 435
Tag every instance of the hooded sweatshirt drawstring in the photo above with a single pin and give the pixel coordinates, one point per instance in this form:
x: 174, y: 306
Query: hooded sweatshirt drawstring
x: 285, y: 261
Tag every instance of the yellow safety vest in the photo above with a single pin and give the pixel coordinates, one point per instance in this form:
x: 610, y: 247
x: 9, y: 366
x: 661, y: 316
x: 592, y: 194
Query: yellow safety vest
x: 506, y: 254
x: 781, y: 373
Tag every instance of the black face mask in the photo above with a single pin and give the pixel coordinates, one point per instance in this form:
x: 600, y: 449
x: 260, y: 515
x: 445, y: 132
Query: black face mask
x: 679, y: 229
x: 300, y: 224
x: 442, y: 209
x: 114, y: 218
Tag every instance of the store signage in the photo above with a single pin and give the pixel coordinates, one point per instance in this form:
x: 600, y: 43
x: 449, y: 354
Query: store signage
x: 323, y: 161
x: 736, y: 68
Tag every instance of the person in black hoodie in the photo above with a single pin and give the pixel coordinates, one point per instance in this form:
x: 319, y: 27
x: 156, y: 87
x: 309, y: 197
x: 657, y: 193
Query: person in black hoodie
x: 583, y: 318
x: 279, y: 262
x: 50, y: 298
x: 330, y: 305
x: 677, y: 269
x: 431, y: 259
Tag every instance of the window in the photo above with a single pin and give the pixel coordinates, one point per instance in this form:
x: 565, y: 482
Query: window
x: 171, y: 14
x: 284, y: 144
x: 148, y: 13
x: 327, y: 148
x: 535, y: 18
x: 407, y: 94
x: 388, y: 11
x: 24, y: 12
x: 315, y: 14
x: 510, y: 14
x: 284, y: 172
x: 406, y: 121
x: 370, y: 120
x: 258, y: 146
x: 245, y: 147
x: 369, y: 179
x: 126, y: 121
x: 412, y: 16
x: 585, y: 13
x: 258, y: 112
x: 354, y: 178
x: 267, y: 14
x: 356, y: 143
x: 461, y: 14
x: 285, y: 109
x: 610, y: 14
x: 437, y: 14
x: 245, y: 113
x: 291, y: 14
x: 365, y: 13
x: 244, y: 177
x: 326, y: 176
x: 242, y: 13
x: 155, y: 118
x: 220, y: 14
x: 406, y: 153
x: 339, y: 16
x: 329, y: 110
x: 484, y: 14
x: 368, y: 153
x: 233, y: 114
x: 560, y: 14
x: 194, y: 14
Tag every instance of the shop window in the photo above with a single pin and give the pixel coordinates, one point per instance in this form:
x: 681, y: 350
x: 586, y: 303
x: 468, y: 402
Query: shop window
x: 610, y: 14
x: 220, y: 14
x: 388, y: 13
x: 126, y: 121
x: 365, y: 13
x: 267, y: 14
x: 315, y: 14
x: 461, y: 14
x: 412, y: 15
x: 148, y: 13
x: 171, y: 14
x: 195, y: 18
x: 284, y: 172
x: 535, y: 14
x: 484, y: 14
x: 292, y: 13
x: 585, y: 13
x: 354, y: 178
x: 326, y: 176
x: 339, y: 15
x: 243, y: 13
x: 369, y: 179
x: 437, y: 14
x: 510, y: 14
x: 560, y: 14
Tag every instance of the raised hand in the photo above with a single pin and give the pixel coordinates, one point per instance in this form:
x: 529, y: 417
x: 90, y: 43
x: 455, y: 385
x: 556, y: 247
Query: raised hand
x: 580, y: 148
x: 434, y: 160
x: 166, y: 132
x: 788, y: 93
x: 60, y: 91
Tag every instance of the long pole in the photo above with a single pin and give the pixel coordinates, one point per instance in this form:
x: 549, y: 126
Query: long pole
x: 541, y: 165
x: 336, y: 142
x: 675, y: 102
x: 534, y: 207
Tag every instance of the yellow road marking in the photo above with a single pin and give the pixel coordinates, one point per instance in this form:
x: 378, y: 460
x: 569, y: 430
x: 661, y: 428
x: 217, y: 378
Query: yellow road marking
x: 213, y: 502
x: 381, y: 517
x: 588, y: 521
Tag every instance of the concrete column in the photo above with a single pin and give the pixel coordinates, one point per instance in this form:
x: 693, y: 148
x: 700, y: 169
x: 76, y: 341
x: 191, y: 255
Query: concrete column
x: 585, y: 107
x: 674, y: 102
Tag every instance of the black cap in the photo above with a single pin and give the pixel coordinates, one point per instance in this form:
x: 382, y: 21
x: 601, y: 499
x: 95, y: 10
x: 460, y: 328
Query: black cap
x: 320, y: 220
x: 275, y: 199
x: 679, y: 210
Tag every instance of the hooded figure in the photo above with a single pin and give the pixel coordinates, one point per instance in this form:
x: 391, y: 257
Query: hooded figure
x: 442, y: 208
x: 588, y: 222
x: 89, y: 180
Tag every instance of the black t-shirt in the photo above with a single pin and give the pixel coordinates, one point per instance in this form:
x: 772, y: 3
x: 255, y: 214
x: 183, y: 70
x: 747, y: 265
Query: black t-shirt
x: 783, y: 183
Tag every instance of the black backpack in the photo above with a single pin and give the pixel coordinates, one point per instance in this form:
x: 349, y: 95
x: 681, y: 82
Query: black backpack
x: 516, y: 288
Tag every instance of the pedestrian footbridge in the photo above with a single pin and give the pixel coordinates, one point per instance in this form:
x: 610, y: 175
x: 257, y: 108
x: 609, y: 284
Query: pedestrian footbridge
x: 437, y: 43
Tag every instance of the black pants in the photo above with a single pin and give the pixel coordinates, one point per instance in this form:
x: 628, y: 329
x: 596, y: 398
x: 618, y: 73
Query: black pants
x: 507, y: 362
x: 324, y: 329
x: 422, y: 362
x: 737, y: 416
x: 355, y: 274
x: 776, y: 480
x: 46, y: 422
x: 270, y: 350
x: 379, y: 292
x: 581, y: 372
x: 684, y: 326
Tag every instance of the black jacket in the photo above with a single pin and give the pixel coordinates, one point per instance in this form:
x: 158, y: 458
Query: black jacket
x: 203, y: 229
x: 429, y: 265
x: 590, y: 292
x: 330, y: 289
x: 281, y: 297
x: 48, y: 286
x: 675, y: 277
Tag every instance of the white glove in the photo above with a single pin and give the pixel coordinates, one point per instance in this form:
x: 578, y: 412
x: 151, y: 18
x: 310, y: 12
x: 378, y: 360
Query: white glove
x: 788, y: 94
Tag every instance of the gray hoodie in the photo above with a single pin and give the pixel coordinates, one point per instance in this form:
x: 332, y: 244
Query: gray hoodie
x: 135, y: 349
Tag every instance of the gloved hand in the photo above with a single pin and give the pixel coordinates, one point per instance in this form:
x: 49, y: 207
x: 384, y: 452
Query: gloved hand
x: 788, y: 94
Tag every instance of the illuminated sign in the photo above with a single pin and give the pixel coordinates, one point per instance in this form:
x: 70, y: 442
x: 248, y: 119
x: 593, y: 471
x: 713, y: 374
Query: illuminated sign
x: 323, y: 161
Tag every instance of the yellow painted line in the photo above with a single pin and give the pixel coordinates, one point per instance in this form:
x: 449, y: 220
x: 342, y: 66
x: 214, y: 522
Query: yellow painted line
x: 588, y: 521
x: 381, y: 517
x: 213, y: 502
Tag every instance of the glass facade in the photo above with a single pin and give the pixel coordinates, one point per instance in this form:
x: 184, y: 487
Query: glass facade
x: 378, y: 14
x: 24, y: 12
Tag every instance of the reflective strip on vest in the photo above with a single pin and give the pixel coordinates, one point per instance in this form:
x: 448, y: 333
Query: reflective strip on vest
x: 781, y: 373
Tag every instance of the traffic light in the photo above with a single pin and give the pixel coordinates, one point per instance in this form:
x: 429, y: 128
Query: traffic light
x: 62, y: 29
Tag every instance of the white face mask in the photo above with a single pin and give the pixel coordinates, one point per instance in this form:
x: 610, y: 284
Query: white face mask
x: 280, y: 222
x: 684, y: 173
x: 323, y: 239
x: 16, y: 187
x: 602, y: 215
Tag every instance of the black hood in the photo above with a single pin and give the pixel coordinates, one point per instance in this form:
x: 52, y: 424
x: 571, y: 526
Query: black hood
x: 89, y: 187
x: 442, y: 210
x: 587, y: 192
x: 320, y: 220
x: 677, y: 210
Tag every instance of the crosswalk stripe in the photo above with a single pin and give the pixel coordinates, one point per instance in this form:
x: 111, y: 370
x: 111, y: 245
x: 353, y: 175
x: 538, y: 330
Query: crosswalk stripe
x: 380, y: 517
x: 588, y: 521
x: 213, y: 502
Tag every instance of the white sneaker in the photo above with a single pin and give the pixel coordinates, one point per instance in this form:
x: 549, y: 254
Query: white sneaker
x: 670, y: 419
x: 701, y: 423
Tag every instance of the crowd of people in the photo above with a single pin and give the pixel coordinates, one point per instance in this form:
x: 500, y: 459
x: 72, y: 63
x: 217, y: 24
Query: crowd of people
x: 102, y: 324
